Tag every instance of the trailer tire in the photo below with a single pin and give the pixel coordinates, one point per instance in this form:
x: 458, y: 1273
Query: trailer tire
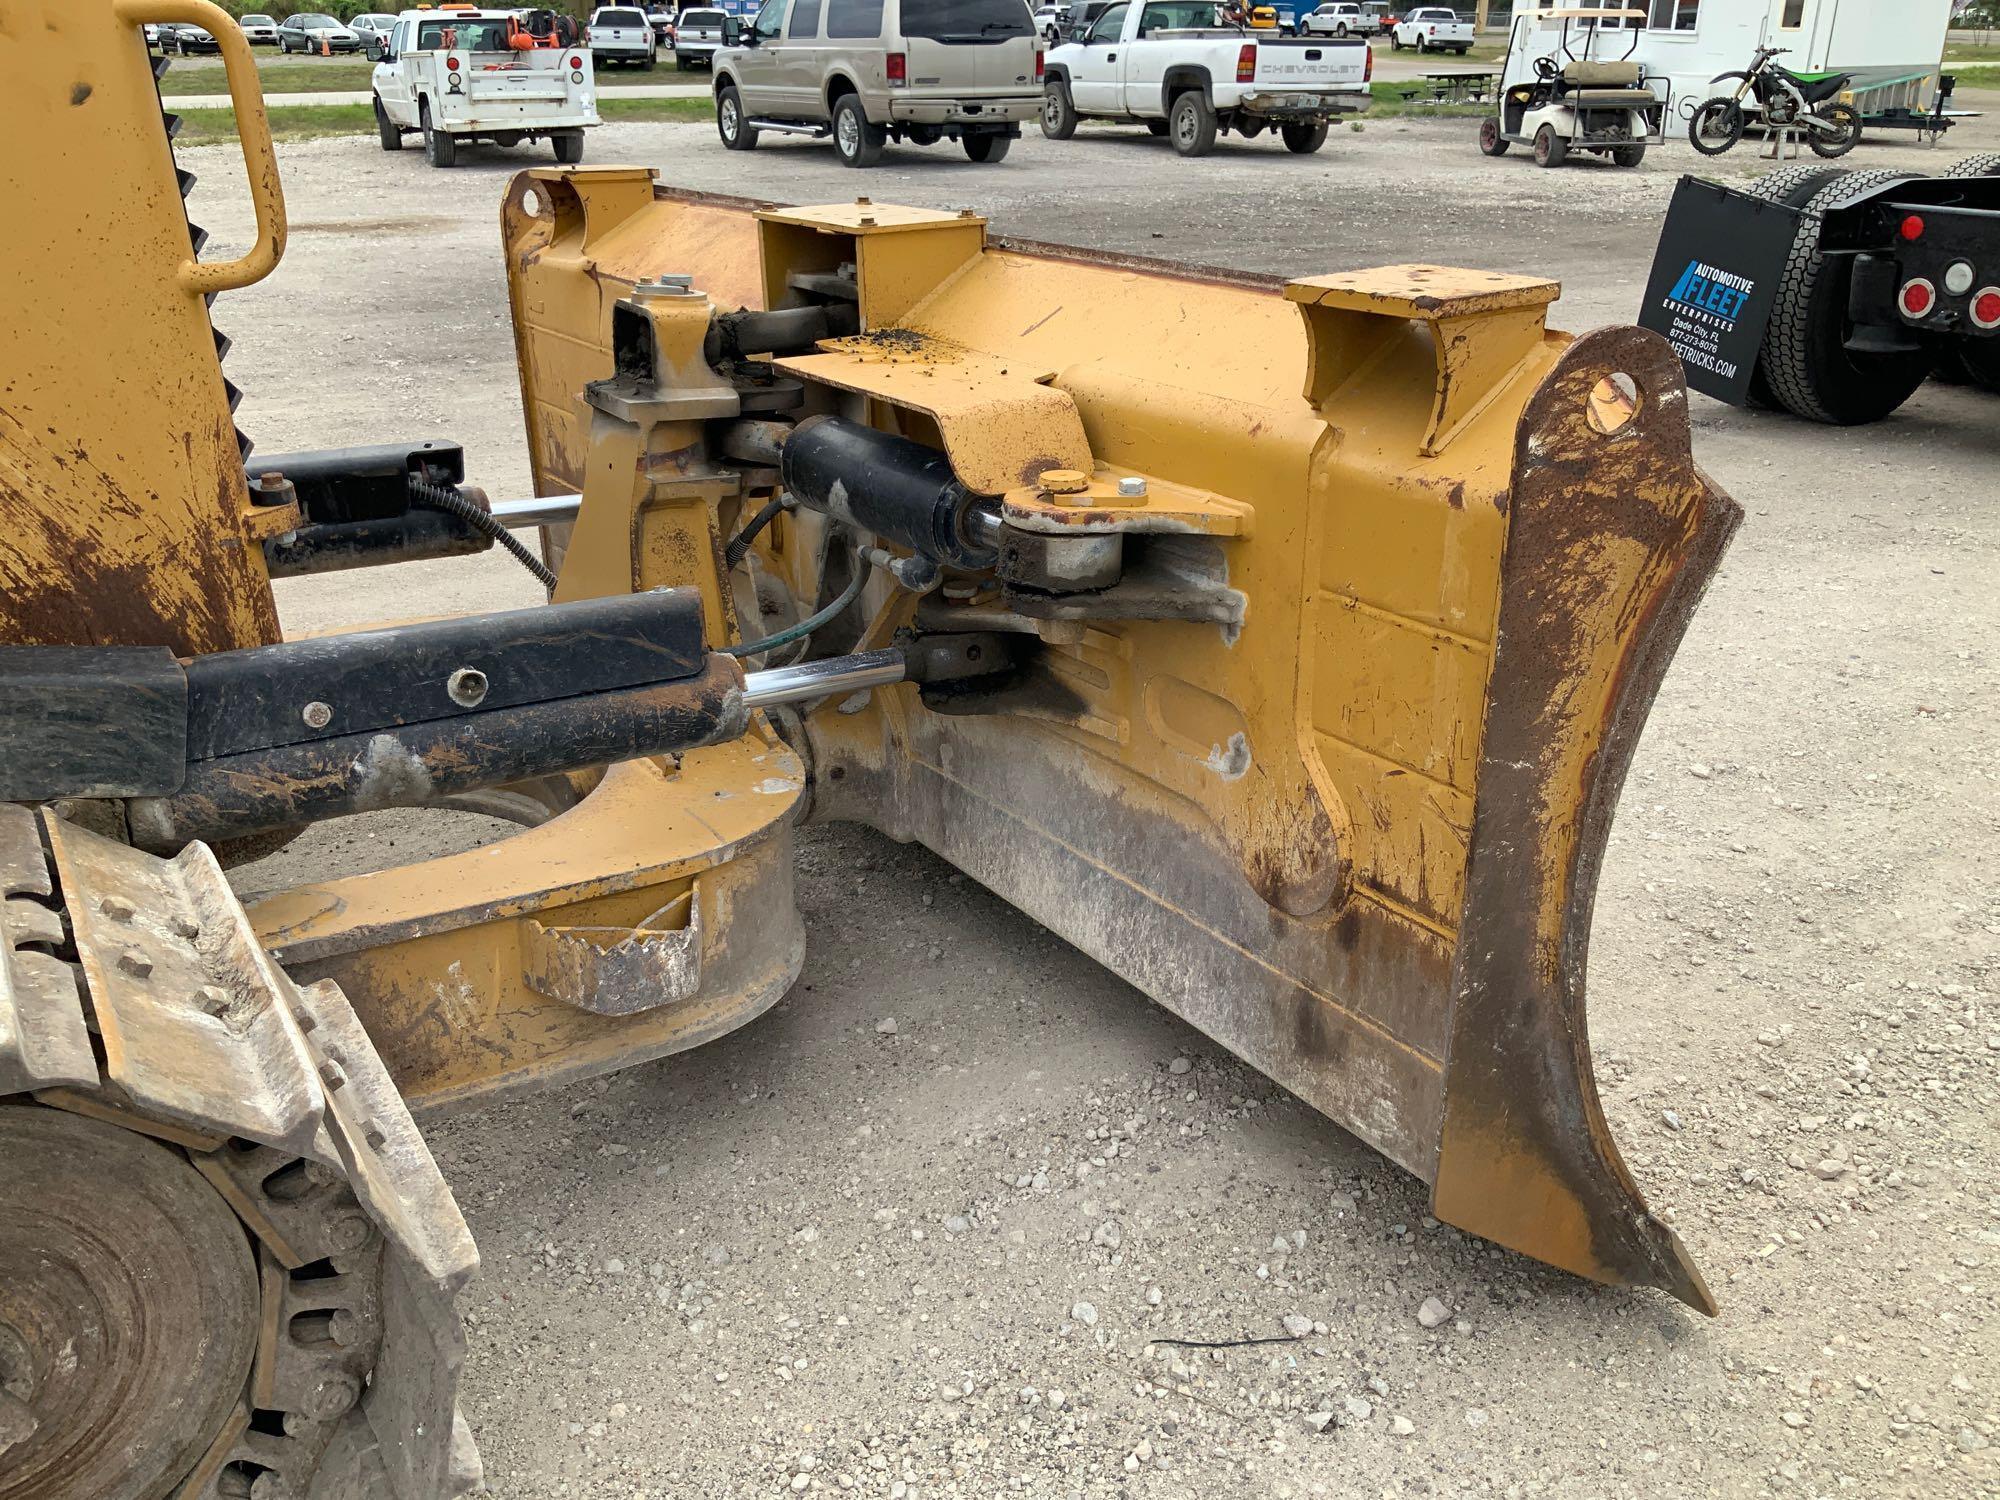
x: 1803, y: 358
x: 1191, y: 124
x: 1979, y: 164
x: 569, y: 147
x: 440, y: 150
x: 729, y: 122
x: 1628, y: 156
x: 1550, y: 149
x: 1303, y: 140
x: 386, y: 130
x: 1793, y: 187
x: 1058, y: 111
x: 1974, y: 362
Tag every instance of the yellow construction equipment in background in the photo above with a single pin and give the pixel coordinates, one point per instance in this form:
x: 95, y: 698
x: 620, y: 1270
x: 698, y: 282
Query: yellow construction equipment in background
x: 1282, y: 645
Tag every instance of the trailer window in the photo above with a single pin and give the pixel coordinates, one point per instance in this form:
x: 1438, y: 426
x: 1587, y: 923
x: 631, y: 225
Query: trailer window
x: 1794, y: 16
x: 1673, y: 15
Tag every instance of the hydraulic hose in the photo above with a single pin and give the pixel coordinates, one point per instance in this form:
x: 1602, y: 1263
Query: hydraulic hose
x: 439, y: 497
x: 811, y: 622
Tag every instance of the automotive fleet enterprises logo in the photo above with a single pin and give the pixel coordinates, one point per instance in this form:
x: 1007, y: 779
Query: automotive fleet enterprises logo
x: 1715, y: 296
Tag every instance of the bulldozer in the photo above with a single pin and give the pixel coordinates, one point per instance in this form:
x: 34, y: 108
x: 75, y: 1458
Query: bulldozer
x: 1282, y: 644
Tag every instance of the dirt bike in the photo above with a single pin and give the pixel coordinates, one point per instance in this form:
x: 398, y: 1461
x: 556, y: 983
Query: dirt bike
x: 1778, y: 97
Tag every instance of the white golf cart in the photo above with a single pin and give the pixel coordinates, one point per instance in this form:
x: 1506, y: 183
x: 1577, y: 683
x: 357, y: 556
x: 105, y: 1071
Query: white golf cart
x: 1570, y: 83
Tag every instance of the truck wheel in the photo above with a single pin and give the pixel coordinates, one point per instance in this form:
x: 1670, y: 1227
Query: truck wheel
x: 390, y: 136
x: 680, y: 64
x: 987, y: 147
x: 1804, y: 358
x: 1303, y: 140
x: 1491, y: 141
x: 1423, y: 43
x: 729, y: 122
x: 1058, y: 111
x: 1192, y: 124
x: 1628, y: 156
x: 1341, y: 30
x: 1395, y: 41
x: 1974, y: 362
x: 440, y: 150
x: 569, y: 147
x: 855, y: 141
x: 1979, y: 164
x: 1550, y: 149
x: 1794, y: 187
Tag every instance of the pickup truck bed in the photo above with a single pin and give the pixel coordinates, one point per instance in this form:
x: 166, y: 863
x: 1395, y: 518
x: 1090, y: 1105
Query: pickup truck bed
x: 1191, y: 83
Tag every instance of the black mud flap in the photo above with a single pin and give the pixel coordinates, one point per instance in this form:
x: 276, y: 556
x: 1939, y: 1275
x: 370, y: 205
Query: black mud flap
x: 1715, y: 280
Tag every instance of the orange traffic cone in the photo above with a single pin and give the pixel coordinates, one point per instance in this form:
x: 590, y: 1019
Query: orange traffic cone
x: 325, y: 47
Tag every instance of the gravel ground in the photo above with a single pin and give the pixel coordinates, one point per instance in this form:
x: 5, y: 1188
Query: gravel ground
x: 918, y: 1231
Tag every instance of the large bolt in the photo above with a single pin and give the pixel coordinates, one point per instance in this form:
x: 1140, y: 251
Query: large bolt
x: 117, y: 908
x: 348, y: 1231
x: 135, y: 963
x: 333, y: 1395
x: 317, y: 714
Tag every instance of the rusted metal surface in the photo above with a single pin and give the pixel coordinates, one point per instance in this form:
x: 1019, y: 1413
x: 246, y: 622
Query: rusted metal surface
x: 44, y: 1040
x: 189, y: 1007
x: 615, y: 971
x: 1253, y: 771
x: 1000, y: 425
x: 129, y: 520
x: 432, y: 956
x: 1612, y: 539
x: 414, y: 765
x: 126, y: 1233
x: 128, y: 1310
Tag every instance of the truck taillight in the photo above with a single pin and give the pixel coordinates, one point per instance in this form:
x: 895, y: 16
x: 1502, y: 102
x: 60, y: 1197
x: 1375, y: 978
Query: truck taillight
x: 576, y: 62
x: 1367, y: 64
x: 1039, y: 64
x: 1246, y: 63
x: 1917, y: 297
x: 1985, y: 308
x: 898, y: 68
x: 451, y: 65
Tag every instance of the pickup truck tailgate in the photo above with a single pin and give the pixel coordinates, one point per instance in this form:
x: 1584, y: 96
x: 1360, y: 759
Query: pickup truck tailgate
x: 1311, y: 63
x: 515, y: 81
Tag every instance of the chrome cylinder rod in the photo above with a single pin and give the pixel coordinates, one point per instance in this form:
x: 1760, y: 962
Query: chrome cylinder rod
x: 543, y: 510
x: 817, y: 679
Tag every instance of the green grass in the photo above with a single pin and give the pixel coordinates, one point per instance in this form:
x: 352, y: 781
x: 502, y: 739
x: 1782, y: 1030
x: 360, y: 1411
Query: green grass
x: 280, y: 76
x: 1389, y: 103
x: 1970, y: 52
x: 1975, y: 77
x: 305, y: 122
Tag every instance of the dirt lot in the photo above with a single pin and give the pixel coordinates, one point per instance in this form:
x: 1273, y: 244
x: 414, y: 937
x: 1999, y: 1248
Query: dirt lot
x: 802, y: 1260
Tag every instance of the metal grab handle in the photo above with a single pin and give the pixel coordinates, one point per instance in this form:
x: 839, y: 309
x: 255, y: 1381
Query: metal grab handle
x: 253, y: 131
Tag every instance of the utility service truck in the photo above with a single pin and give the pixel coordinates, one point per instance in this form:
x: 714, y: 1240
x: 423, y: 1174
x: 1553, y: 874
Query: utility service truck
x: 1164, y: 64
x: 458, y: 76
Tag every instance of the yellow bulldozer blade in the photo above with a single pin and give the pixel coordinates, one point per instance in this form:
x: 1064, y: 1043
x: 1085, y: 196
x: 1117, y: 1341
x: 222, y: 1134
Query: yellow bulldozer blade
x: 1330, y: 612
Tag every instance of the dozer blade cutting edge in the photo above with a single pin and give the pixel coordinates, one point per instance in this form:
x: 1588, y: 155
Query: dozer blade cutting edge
x: 1320, y: 618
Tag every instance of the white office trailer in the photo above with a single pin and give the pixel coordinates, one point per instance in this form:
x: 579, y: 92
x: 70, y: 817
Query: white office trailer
x: 1892, y: 47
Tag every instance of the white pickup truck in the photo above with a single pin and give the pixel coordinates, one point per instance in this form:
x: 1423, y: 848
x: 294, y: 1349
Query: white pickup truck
x: 464, y: 75
x: 1166, y: 64
x: 1432, y: 28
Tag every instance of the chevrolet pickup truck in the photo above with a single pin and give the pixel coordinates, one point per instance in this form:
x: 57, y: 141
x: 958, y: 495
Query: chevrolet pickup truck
x: 1165, y: 64
x: 1432, y: 28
